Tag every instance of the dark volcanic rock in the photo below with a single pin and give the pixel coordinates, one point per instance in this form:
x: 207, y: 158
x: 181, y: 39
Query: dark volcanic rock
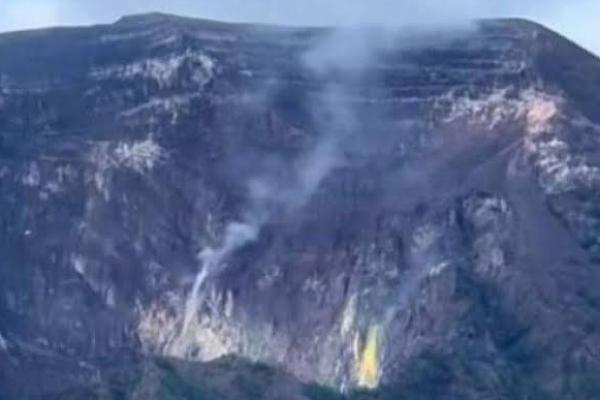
x: 416, y: 211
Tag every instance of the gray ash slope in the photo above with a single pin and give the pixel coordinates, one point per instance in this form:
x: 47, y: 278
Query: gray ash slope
x: 405, y: 210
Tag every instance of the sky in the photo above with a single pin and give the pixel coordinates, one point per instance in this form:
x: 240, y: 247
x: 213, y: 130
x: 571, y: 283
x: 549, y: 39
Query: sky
x: 579, y: 20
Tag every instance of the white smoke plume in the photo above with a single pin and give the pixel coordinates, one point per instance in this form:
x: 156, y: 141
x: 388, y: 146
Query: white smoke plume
x: 341, y: 59
x: 333, y: 118
x: 237, y: 234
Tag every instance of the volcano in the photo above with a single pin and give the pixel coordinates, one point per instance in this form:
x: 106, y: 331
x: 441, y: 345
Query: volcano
x: 192, y: 209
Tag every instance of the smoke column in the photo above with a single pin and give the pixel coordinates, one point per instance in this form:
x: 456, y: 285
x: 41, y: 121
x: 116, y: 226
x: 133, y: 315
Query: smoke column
x: 237, y: 234
x: 338, y: 61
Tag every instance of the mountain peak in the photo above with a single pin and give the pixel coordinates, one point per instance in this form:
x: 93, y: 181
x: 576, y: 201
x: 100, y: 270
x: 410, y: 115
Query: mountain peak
x: 147, y: 18
x: 164, y: 19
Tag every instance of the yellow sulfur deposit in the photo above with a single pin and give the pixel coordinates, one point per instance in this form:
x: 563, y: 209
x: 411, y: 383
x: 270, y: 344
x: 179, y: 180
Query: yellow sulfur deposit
x: 368, y: 369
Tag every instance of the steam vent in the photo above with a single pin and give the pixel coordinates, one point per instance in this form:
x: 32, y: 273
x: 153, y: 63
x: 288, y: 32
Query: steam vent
x: 198, y: 210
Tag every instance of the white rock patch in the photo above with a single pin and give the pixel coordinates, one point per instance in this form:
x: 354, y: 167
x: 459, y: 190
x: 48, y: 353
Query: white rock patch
x: 32, y: 176
x: 164, y: 71
x: 560, y: 170
x: 424, y: 237
x: 539, y: 115
x: 438, y: 269
x: 3, y: 343
x: 537, y: 108
x: 78, y: 263
x: 138, y: 156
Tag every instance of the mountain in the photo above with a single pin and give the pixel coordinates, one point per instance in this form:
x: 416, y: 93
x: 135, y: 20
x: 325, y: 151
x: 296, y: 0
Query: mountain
x: 192, y: 209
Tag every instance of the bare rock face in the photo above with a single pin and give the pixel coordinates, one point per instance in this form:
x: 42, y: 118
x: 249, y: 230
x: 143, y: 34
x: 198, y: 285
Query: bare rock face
x: 363, y: 209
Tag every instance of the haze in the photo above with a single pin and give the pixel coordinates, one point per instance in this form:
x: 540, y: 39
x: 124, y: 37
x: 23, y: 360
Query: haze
x: 576, y: 19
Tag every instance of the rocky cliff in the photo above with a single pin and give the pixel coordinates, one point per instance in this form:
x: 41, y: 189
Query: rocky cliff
x: 361, y: 209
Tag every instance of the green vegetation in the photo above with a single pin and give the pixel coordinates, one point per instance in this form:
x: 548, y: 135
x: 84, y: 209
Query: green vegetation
x: 174, y: 386
x: 316, y: 392
x: 431, y: 376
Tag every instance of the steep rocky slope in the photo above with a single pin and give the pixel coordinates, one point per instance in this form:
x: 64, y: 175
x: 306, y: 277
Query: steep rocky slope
x: 362, y: 209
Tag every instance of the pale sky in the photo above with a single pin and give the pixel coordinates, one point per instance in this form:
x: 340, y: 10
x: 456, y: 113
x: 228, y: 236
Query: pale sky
x: 577, y: 19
